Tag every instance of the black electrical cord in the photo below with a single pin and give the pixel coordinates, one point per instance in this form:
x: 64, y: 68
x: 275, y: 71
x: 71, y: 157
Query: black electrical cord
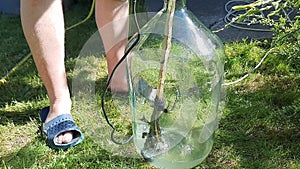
x: 136, y: 36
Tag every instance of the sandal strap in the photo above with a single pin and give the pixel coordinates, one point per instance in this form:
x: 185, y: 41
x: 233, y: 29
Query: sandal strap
x: 57, y: 122
x: 59, y: 125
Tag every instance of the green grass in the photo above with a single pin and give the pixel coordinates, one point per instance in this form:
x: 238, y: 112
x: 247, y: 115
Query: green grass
x: 260, y: 126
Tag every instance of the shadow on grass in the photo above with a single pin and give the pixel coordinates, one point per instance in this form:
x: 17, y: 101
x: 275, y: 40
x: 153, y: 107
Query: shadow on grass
x: 85, y: 155
x: 24, y: 158
x: 18, y: 117
x: 260, y: 126
x: 23, y: 85
x: 22, y: 96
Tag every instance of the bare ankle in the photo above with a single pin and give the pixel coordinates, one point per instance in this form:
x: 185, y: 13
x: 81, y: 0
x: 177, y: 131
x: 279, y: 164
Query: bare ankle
x: 58, y: 107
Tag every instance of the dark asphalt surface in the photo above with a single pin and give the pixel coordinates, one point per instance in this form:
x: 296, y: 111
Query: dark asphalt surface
x: 211, y: 13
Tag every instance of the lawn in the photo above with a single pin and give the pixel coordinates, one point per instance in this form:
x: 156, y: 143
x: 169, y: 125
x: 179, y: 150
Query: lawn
x: 260, y: 126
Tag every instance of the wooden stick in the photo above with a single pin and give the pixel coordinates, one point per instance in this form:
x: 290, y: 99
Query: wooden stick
x: 159, y: 100
x: 166, y: 46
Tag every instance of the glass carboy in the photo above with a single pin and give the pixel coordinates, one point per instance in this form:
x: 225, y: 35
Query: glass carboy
x: 176, y: 73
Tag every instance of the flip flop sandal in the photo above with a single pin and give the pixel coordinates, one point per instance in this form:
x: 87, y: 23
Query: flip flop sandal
x: 58, y: 125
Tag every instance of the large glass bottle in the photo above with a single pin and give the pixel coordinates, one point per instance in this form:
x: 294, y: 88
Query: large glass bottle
x: 176, y: 73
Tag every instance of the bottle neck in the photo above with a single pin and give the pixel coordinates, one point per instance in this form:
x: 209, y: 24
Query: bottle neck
x: 179, y: 4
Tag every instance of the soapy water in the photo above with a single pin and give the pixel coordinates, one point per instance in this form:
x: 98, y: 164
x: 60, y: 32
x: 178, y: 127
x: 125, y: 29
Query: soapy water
x: 175, y: 149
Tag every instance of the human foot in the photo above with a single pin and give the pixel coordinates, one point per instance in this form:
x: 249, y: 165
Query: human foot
x: 57, y: 109
x: 60, y: 129
x: 118, y: 81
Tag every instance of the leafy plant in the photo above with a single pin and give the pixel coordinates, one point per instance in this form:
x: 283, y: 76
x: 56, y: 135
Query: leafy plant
x: 282, y: 16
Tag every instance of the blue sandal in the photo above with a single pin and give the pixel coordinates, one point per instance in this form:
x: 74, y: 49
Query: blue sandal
x: 58, y: 125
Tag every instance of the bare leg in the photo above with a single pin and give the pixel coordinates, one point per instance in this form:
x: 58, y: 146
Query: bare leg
x: 43, y: 26
x: 113, y: 23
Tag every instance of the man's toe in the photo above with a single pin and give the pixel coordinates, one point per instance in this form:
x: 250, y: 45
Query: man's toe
x: 67, y: 137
